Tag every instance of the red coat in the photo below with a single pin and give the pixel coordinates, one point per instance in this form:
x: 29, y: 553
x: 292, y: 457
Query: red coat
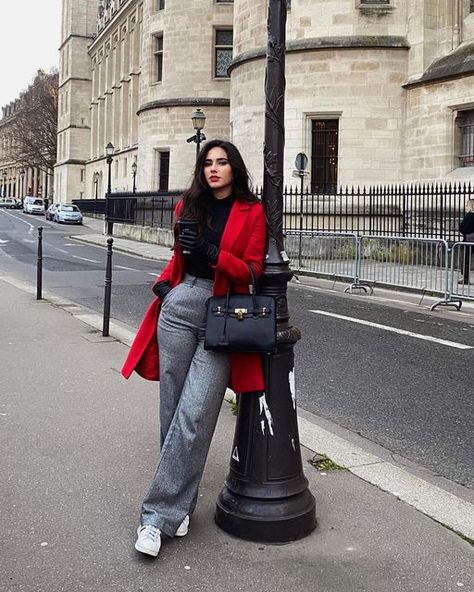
x: 244, y: 239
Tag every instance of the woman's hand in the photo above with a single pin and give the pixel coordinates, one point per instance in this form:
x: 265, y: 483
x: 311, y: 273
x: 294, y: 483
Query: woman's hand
x: 162, y: 289
x: 192, y: 242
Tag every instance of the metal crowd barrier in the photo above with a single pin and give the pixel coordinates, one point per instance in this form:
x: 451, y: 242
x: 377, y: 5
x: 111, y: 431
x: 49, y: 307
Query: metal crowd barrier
x: 462, y: 259
x: 329, y: 254
x: 419, y: 264
x: 416, y: 263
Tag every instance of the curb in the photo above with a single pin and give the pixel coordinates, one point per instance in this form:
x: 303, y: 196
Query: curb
x: 439, y: 504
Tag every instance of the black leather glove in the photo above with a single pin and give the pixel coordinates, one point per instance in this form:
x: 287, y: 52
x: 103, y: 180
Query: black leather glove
x: 192, y: 242
x: 161, y: 289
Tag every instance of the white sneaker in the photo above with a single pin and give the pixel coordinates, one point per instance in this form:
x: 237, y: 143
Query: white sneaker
x: 149, y: 540
x: 183, y: 528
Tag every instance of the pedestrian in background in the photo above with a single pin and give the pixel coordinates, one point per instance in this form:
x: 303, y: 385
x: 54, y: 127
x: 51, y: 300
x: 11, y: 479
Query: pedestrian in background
x: 466, y: 228
x: 207, y: 260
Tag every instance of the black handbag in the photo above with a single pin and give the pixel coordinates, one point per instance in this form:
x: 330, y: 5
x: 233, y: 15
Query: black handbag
x: 241, y: 322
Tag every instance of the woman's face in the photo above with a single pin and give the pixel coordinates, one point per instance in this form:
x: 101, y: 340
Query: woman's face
x: 218, y: 172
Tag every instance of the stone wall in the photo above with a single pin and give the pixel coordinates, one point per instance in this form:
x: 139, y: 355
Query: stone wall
x: 431, y: 145
x: 360, y: 87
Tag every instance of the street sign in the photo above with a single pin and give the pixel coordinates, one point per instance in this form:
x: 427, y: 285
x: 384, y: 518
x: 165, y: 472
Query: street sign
x: 301, y: 161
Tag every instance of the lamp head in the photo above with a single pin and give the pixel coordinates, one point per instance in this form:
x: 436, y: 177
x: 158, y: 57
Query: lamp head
x: 134, y: 167
x: 109, y: 149
x: 199, y: 120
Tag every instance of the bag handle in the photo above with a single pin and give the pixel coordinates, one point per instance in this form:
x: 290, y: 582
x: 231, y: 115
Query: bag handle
x: 252, y: 287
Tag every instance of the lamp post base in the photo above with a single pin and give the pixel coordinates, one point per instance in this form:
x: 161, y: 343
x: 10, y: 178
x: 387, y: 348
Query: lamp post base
x: 266, y: 497
x: 266, y: 521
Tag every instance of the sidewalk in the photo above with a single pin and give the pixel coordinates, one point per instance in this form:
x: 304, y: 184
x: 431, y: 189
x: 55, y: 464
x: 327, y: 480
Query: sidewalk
x: 80, y: 446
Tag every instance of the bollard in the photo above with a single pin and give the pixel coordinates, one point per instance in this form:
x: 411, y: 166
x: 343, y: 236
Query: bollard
x: 108, y: 288
x: 39, y: 265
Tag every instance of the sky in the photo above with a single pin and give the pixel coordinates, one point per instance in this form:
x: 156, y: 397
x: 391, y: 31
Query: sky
x: 29, y: 40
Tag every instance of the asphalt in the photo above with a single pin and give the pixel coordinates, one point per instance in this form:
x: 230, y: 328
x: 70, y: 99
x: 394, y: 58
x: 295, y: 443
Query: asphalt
x: 80, y: 445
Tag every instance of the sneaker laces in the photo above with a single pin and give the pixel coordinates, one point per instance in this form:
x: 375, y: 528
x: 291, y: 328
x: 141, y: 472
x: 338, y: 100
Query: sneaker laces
x: 150, y: 532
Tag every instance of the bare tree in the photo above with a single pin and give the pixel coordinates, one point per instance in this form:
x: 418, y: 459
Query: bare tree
x: 35, y: 126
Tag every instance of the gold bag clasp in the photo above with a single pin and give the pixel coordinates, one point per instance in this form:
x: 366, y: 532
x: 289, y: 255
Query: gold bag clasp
x: 240, y: 313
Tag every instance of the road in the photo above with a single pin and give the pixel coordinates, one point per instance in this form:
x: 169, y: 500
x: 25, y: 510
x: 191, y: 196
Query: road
x: 399, y: 377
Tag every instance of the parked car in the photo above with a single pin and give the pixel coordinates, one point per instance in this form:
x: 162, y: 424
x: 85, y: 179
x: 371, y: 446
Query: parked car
x: 10, y: 202
x: 68, y: 213
x: 33, y: 205
x: 51, y: 211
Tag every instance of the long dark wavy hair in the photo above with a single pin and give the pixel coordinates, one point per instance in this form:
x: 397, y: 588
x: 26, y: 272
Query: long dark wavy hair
x: 198, y: 198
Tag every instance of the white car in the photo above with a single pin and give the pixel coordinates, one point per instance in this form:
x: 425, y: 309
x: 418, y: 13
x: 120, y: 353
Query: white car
x: 67, y: 213
x: 33, y: 205
x: 51, y: 211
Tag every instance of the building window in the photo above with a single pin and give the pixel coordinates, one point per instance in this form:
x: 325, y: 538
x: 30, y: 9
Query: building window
x: 158, y: 58
x: 324, y: 155
x: 223, y: 52
x: 163, y: 170
x: 82, y: 175
x: 471, y: 6
x: 224, y: 1
x: 375, y: 1
x: 160, y: 4
x: 465, y: 121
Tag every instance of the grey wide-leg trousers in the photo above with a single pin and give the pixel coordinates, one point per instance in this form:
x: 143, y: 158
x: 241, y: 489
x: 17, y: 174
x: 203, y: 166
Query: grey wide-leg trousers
x: 192, y: 386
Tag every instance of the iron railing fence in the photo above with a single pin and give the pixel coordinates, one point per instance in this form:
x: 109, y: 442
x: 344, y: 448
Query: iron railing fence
x: 91, y: 207
x: 425, y: 211
x: 144, y: 208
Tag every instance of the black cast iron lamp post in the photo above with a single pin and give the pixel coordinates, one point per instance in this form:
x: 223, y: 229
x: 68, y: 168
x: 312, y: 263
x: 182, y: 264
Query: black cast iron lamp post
x: 22, y: 177
x: 134, y: 176
x: 266, y: 496
x: 199, y: 121
x: 96, y: 185
x: 109, y: 151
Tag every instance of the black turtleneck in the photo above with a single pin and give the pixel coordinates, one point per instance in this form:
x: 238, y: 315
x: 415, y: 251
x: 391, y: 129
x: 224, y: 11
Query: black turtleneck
x: 197, y: 264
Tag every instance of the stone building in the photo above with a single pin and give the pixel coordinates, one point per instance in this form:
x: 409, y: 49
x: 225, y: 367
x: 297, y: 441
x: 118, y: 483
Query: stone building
x: 378, y: 91
x: 132, y: 72
x: 17, y: 180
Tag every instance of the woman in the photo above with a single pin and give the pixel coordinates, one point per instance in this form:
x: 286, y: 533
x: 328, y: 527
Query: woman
x: 466, y: 228
x: 169, y: 344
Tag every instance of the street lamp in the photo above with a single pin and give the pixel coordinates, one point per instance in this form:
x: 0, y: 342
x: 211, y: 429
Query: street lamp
x: 266, y: 496
x: 199, y: 121
x: 134, y: 175
x: 109, y: 151
x: 96, y: 184
x: 22, y: 192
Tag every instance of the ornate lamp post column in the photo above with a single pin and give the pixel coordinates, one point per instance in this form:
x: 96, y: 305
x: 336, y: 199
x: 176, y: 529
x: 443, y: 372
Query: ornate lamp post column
x: 265, y: 497
x: 109, y: 151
